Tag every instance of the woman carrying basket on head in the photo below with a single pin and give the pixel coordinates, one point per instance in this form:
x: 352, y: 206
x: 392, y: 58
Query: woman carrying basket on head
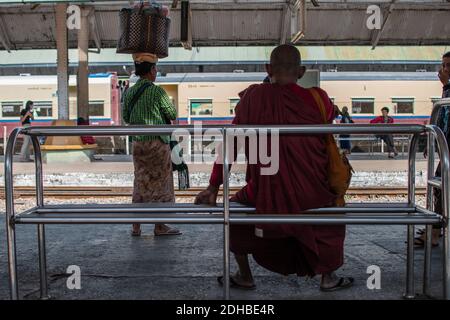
x: 148, y: 104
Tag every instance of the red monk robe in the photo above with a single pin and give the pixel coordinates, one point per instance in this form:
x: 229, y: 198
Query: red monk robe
x: 300, y: 184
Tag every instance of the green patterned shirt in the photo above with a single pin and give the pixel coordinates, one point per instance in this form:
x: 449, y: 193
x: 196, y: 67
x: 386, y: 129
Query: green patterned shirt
x: 152, y: 108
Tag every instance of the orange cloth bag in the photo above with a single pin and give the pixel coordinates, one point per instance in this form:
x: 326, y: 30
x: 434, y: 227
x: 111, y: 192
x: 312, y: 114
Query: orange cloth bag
x: 339, y: 168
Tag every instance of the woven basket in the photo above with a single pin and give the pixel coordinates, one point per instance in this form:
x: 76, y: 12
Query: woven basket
x: 144, y: 30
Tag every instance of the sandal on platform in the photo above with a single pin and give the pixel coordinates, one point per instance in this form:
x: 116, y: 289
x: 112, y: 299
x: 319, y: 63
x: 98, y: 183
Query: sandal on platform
x: 234, y: 284
x: 169, y: 232
x: 420, y: 243
x: 343, y: 283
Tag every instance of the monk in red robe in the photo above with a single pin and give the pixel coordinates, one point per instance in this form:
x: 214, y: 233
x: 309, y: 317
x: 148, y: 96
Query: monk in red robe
x: 300, y: 183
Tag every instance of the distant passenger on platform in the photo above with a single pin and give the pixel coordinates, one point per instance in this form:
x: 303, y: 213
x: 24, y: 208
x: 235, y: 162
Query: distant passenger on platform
x: 301, y: 182
x: 443, y: 123
x: 26, y: 115
x: 148, y: 104
x: 387, y: 138
x: 85, y: 139
x: 344, y: 139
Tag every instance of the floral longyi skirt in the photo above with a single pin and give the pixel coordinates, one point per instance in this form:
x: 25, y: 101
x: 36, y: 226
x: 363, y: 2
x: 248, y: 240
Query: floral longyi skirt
x: 153, y: 178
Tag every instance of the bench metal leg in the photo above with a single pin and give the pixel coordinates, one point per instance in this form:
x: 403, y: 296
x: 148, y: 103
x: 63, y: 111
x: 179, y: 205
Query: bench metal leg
x: 41, y: 227
x: 226, y: 261
x: 409, y: 294
x: 12, y: 259
x: 446, y: 262
x: 427, y: 261
x: 42, y: 263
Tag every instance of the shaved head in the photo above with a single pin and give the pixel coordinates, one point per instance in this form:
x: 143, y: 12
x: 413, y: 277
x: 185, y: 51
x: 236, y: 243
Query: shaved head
x: 285, y: 56
x: 285, y: 64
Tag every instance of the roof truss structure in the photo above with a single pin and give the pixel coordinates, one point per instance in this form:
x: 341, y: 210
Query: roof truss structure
x: 243, y: 23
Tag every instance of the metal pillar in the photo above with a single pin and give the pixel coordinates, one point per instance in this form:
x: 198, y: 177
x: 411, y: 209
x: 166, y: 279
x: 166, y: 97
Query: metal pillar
x: 62, y: 61
x: 83, y: 68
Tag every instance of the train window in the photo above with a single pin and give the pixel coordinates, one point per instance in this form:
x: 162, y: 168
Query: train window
x: 96, y: 108
x: 233, y: 103
x: 172, y: 101
x: 403, y: 105
x: 435, y: 99
x: 43, y: 108
x: 11, y: 109
x: 363, y: 105
x: 201, y: 107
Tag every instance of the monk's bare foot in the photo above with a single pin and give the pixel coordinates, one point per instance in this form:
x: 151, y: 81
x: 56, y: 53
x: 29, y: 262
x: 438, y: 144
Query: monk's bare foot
x: 243, y: 281
x: 329, y: 280
x: 237, y: 281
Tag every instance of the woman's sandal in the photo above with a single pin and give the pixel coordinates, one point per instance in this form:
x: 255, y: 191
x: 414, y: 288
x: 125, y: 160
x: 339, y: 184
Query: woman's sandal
x: 420, y: 243
x: 234, y: 284
x: 343, y: 283
x: 169, y: 232
x: 422, y: 231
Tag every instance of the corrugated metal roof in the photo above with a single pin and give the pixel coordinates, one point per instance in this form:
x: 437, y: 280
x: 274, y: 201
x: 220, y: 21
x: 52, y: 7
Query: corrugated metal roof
x: 229, y: 22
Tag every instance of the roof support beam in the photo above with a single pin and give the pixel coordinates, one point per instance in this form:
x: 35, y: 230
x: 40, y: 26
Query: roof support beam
x: 83, y: 65
x: 186, y: 25
x: 4, y: 38
x: 95, y: 31
x: 298, y: 6
x: 62, y: 61
x: 284, y: 21
x: 376, y: 34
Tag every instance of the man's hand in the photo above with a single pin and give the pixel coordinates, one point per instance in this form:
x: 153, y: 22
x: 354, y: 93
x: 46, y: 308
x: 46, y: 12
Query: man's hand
x: 207, y: 196
x: 444, y: 76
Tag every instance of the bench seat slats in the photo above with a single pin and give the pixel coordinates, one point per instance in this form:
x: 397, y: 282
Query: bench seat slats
x: 121, y: 218
x: 191, y: 208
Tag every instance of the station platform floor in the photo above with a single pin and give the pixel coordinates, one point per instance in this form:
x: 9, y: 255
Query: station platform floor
x: 115, y: 265
x: 124, y: 163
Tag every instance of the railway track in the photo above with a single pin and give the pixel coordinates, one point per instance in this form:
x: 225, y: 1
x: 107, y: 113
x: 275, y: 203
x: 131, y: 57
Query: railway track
x: 98, y: 191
